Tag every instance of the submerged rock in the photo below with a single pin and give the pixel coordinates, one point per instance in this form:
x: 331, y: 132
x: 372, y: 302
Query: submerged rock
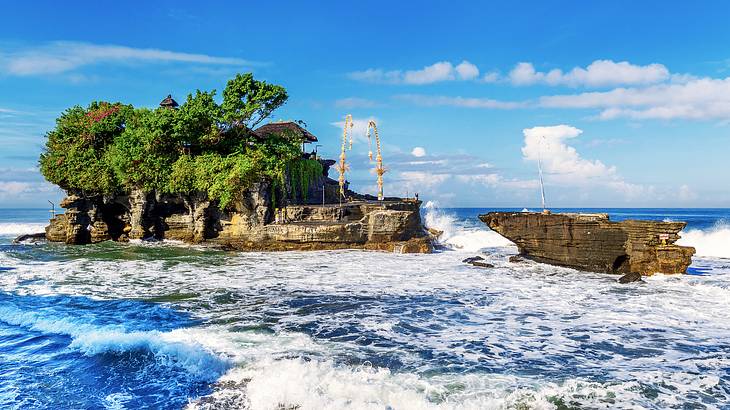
x: 32, y: 238
x: 477, y: 261
x: 593, y: 243
x: 630, y: 277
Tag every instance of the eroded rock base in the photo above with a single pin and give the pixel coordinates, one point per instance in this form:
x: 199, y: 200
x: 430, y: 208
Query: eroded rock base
x: 393, y: 225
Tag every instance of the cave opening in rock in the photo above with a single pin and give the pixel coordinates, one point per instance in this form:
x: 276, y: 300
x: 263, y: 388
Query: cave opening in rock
x: 116, y: 218
x: 621, y: 264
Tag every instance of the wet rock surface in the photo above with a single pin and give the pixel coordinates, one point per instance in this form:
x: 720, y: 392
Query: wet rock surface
x: 630, y: 277
x: 30, y: 238
x: 478, y: 261
x: 592, y: 242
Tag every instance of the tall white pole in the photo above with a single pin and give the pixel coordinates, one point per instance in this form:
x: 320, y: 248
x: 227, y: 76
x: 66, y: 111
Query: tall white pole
x: 539, y: 168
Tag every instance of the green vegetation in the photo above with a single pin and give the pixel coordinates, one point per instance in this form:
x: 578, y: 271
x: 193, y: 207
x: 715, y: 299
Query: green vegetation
x: 202, y: 146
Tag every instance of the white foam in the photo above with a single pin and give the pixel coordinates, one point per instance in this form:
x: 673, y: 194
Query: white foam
x: 315, y: 385
x: 15, y: 228
x: 711, y: 242
x: 458, y: 236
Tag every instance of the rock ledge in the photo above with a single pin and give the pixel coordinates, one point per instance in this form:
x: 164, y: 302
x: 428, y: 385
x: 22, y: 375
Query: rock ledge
x: 591, y: 242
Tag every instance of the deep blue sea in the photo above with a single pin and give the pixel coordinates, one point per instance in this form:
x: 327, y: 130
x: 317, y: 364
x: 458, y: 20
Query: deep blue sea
x: 169, y: 325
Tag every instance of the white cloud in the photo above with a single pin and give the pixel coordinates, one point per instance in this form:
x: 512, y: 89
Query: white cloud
x: 434, y: 73
x: 434, y: 101
x: 11, y: 188
x: 563, y: 165
x: 355, y: 102
x: 418, y: 152
x: 686, y: 193
x: 491, y: 77
x: 61, y: 57
x: 702, y: 98
x: 600, y: 73
x: 466, y: 71
x: 358, y: 130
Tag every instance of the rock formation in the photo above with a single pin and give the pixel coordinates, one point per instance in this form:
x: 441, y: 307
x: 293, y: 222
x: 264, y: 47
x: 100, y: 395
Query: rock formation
x: 593, y: 243
x: 251, y: 224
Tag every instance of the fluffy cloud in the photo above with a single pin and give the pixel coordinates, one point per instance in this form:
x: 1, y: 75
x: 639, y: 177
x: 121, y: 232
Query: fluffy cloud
x: 600, y: 73
x: 418, y: 152
x: 563, y: 165
x: 702, y: 98
x: 61, y: 57
x: 434, y: 73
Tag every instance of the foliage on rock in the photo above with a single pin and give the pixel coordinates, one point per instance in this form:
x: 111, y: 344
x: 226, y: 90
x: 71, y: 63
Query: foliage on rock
x: 203, y: 146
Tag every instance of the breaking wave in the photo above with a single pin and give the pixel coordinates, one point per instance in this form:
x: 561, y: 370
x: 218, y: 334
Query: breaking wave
x: 175, y: 348
x: 457, y: 234
x: 14, y: 228
x: 714, y: 241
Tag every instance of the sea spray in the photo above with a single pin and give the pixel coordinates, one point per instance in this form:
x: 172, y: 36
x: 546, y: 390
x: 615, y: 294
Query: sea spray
x: 714, y: 241
x: 457, y: 234
x: 16, y: 228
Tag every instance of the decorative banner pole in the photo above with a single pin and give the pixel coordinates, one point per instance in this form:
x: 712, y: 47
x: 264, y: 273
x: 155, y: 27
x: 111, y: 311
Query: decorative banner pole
x: 379, y: 168
x: 343, y: 166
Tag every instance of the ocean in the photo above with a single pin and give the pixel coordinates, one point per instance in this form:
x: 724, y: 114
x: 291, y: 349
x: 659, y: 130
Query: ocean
x: 170, y: 326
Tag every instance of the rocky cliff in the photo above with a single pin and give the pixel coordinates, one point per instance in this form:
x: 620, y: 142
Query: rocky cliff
x: 252, y: 223
x: 594, y: 243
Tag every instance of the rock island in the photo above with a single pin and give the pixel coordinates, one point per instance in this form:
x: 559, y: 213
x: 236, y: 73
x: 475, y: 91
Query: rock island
x: 206, y: 172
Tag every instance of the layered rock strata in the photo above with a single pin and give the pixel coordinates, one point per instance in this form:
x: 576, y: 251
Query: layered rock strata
x: 391, y: 225
x: 592, y: 242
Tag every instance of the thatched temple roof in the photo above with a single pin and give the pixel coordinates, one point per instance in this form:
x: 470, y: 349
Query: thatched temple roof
x: 169, y: 102
x: 288, y: 127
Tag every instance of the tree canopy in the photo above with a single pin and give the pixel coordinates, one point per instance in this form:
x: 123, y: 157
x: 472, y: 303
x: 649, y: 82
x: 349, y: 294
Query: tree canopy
x: 202, y: 146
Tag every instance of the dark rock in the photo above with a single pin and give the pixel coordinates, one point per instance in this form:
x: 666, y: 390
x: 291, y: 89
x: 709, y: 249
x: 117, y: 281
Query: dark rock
x: 478, y: 261
x: 516, y: 259
x: 33, y: 237
x: 593, y: 243
x: 482, y: 264
x: 630, y: 277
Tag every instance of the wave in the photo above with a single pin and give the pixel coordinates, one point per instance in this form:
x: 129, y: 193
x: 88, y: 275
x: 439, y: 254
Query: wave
x: 713, y: 242
x: 174, y: 348
x: 16, y: 228
x: 457, y: 235
x: 314, y: 384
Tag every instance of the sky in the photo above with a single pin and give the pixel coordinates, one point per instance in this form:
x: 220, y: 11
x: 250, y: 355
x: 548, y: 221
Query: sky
x: 622, y: 103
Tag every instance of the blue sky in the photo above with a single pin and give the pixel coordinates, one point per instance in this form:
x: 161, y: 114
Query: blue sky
x: 625, y: 104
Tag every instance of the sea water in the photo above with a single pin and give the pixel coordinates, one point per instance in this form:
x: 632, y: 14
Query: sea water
x: 168, y: 325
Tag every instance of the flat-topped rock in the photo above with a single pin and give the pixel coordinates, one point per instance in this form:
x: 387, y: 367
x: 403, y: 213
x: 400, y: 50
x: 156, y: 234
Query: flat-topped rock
x: 592, y: 242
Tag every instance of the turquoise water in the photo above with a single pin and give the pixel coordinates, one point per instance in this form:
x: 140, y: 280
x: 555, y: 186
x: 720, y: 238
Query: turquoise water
x: 166, y: 325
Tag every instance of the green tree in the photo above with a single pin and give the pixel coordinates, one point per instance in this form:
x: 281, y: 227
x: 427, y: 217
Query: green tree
x: 247, y: 102
x: 201, y: 147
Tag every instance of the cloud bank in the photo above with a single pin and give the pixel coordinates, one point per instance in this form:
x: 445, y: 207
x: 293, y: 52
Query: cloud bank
x: 434, y: 73
x: 61, y: 57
